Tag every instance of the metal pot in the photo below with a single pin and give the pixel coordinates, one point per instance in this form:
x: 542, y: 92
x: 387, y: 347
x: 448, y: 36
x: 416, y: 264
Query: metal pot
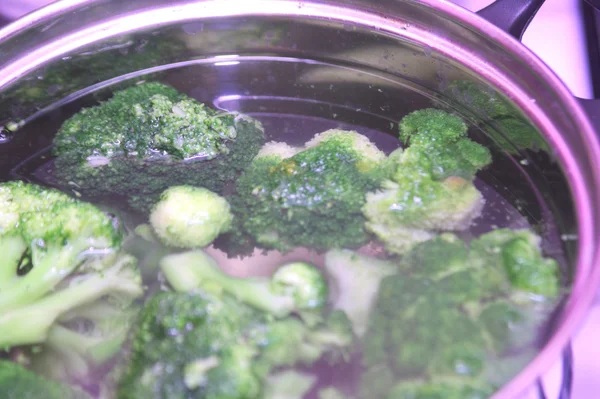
x: 390, y: 57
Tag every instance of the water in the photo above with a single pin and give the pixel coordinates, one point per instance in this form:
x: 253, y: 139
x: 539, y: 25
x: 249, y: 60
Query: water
x: 295, y: 99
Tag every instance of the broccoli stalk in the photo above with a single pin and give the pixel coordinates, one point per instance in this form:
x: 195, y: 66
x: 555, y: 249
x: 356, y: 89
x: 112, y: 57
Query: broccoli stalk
x: 30, y: 324
x: 356, y: 278
x: 190, y: 217
x: 451, y: 313
x: 307, y: 197
x: 219, y: 336
x: 294, y: 287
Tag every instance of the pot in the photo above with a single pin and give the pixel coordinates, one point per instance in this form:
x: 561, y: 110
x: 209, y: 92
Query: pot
x: 356, y: 62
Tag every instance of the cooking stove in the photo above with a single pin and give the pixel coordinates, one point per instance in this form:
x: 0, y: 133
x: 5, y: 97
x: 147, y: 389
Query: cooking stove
x: 565, y: 34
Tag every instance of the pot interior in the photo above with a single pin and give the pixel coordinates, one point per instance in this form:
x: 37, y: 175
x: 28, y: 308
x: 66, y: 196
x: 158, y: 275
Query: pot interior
x: 301, y: 76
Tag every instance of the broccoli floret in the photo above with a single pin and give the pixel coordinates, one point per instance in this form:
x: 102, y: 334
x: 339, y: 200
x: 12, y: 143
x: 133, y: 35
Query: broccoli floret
x: 440, y: 144
x: 415, y: 333
x: 30, y: 323
x: 186, y: 343
x: 17, y: 382
x: 430, y: 188
x: 295, y: 287
x: 312, y: 197
x: 450, y: 312
x: 356, y: 281
x: 150, y: 137
x: 221, y: 337
x: 441, y: 255
x: 198, y: 345
x: 64, y: 257
x: 517, y: 253
x: 288, y: 385
x: 190, y: 217
x: 289, y: 341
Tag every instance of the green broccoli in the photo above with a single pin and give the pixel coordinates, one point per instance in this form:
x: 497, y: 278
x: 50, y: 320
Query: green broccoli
x: 190, y: 217
x: 517, y: 253
x: 296, y: 287
x: 452, y: 311
x: 502, y: 121
x: 310, y: 196
x: 17, y: 382
x: 429, y: 184
x: 85, y: 340
x: 150, y: 137
x: 63, y: 259
x: 205, y: 341
x: 356, y: 283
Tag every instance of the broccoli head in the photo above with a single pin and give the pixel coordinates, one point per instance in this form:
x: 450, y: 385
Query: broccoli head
x: 517, y: 253
x: 294, y: 288
x: 197, y: 345
x: 17, y: 382
x: 311, y: 196
x: 453, y: 312
x: 429, y: 184
x: 188, y: 345
x: 150, y: 137
x: 190, y: 217
x: 63, y: 257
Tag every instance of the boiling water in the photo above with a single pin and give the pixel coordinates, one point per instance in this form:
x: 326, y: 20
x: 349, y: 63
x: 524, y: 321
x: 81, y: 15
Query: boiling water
x: 295, y: 99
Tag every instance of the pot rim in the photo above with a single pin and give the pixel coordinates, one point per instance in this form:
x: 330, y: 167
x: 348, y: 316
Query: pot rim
x: 584, y: 288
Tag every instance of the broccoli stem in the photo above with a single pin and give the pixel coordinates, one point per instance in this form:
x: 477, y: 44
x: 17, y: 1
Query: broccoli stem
x: 97, y: 349
x: 51, y: 267
x: 195, y: 269
x: 30, y: 324
x: 12, y: 250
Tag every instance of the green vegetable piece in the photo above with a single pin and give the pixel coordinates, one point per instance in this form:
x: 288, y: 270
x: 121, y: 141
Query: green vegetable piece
x: 294, y: 287
x: 148, y: 138
x: 302, y: 281
x: 518, y: 254
x: 17, y: 382
x: 356, y: 280
x: 309, y: 197
x: 190, y: 217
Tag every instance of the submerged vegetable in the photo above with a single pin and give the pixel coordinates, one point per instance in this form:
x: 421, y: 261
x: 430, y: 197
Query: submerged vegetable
x: 429, y: 185
x: 150, y: 137
x: 217, y: 337
x: 190, y: 217
x: 310, y: 196
x: 61, y: 267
